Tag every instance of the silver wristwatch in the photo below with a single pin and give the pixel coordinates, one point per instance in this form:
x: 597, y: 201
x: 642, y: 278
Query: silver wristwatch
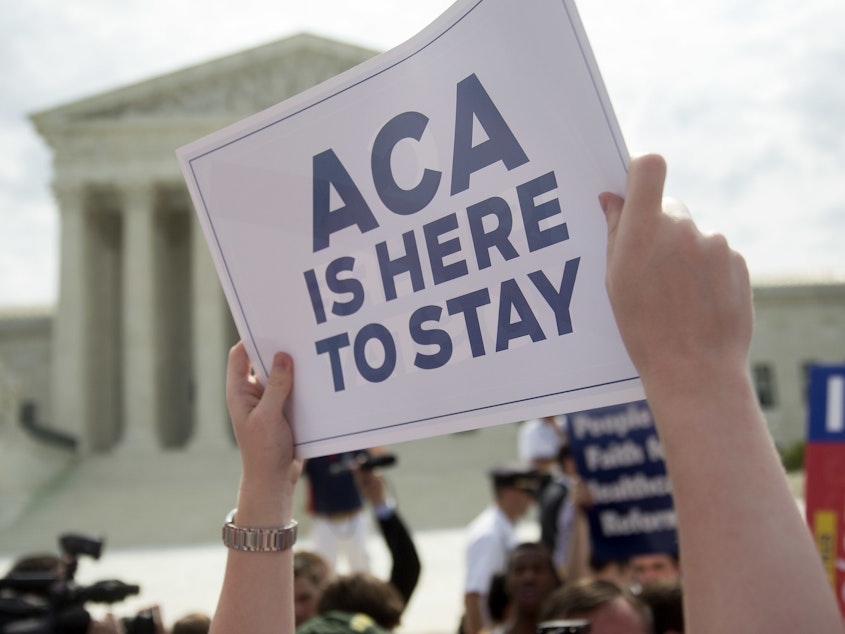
x: 258, y: 539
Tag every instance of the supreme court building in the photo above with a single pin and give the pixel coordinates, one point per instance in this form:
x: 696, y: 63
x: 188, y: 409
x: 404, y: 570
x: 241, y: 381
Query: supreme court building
x: 134, y: 354
x: 141, y: 331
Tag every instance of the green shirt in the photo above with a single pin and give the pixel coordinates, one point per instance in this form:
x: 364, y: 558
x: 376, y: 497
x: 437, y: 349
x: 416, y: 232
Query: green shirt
x: 335, y: 622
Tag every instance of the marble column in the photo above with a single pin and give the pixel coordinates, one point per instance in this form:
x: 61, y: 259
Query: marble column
x: 210, y: 348
x: 70, y: 380
x: 139, y: 315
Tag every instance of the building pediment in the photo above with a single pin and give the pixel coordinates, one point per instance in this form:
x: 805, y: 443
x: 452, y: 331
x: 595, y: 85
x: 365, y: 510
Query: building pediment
x: 225, y: 89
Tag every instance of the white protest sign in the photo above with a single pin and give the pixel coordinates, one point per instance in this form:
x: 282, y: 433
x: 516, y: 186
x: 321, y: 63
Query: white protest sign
x: 422, y: 233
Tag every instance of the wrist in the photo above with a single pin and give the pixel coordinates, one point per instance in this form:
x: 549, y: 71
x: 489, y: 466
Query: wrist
x: 691, y: 384
x: 385, y: 509
x: 258, y: 539
x: 260, y: 504
x: 703, y: 413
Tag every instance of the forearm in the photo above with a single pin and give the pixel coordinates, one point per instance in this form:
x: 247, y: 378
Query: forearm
x: 473, y: 620
x: 741, y: 534
x: 578, y: 552
x: 405, y: 571
x: 258, y: 586
x: 683, y: 304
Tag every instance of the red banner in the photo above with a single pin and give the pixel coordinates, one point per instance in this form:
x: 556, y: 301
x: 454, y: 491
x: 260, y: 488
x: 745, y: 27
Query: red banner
x: 825, y: 472
x: 824, y: 467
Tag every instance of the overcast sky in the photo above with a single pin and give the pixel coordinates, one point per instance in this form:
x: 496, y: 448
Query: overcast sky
x: 746, y: 99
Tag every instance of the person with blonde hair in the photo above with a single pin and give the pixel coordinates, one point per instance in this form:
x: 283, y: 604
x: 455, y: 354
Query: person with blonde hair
x: 193, y: 623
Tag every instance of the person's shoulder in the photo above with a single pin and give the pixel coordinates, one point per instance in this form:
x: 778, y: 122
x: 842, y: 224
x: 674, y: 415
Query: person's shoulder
x: 484, y: 518
x: 491, y: 528
x: 337, y: 622
x: 484, y: 524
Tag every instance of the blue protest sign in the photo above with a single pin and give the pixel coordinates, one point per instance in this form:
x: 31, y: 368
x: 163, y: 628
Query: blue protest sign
x: 619, y: 455
x: 827, y: 403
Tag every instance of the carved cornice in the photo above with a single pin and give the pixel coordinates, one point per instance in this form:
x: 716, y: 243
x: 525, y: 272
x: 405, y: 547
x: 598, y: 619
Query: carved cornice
x: 228, y: 88
x: 239, y: 94
x: 130, y: 133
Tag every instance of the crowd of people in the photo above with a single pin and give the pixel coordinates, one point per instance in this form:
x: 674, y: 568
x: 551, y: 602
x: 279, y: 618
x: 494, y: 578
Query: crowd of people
x: 745, y: 560
x: 682, y: 302
x: 513, y: 587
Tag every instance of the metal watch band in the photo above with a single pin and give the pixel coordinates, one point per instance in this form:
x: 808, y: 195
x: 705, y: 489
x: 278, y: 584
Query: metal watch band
x: 258, y: 539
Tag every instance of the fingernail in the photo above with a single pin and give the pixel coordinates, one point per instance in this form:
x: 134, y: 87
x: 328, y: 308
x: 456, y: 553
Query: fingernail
x: 603, y: 202
x: 281, y: 360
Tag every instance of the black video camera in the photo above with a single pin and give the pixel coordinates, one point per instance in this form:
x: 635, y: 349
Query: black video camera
x: 142, y: 623
x: 52, y: 602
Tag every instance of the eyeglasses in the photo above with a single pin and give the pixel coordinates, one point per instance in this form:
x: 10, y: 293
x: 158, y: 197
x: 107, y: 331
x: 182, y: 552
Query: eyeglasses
x: 570, y: 626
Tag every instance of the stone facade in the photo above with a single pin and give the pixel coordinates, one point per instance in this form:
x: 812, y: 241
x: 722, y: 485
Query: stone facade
x: 25, y: 354
x: 134, y: 356
x: 26, y: 464
x: 141, y: 329
x: 795, y: 325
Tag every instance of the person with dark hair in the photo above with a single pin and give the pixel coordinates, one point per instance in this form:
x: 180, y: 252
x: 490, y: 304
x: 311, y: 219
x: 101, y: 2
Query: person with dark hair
x: 492, y: 534
x: 352, y: 601
x: 646, y: 568
x: 665, y: 599
x: 530, y: 578
x: 682, y: 302
x: 609, y: 608
x: 615, y: 570
x: 37, y: 562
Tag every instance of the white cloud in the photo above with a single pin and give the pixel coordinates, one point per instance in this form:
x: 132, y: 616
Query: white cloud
x: 746, y: 102
x: 744, y: 99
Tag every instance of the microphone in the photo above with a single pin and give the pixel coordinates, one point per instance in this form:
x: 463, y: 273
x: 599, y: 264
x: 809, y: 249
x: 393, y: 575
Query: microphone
x: 363, y: 461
